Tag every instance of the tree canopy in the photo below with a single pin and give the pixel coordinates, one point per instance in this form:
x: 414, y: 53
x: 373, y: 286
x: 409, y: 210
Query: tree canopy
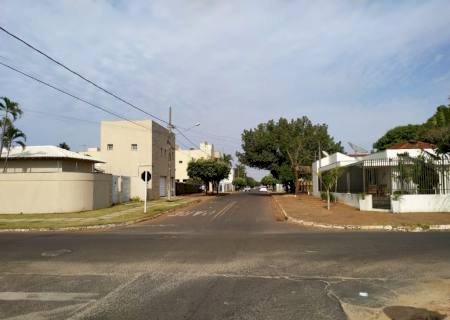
x: 285, y: 146
x: 239, y: 183
x: 64, y: 145
x: 435, y: 130
x: 208, y: 170
x: 269, y: 180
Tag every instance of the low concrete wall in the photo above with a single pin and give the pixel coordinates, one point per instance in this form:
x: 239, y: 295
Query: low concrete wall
x: 422, y: 203
x: 54, y: 192
x: 355, y: 200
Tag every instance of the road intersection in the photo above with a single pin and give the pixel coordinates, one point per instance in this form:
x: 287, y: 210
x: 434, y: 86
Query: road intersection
x: 224, y: 259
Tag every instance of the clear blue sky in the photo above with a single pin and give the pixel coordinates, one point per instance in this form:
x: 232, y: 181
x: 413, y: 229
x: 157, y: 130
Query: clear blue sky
x: 359, y: 66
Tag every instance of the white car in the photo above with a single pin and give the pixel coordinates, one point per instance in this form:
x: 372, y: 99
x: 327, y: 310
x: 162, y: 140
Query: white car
x: 262, y: 189
x: 247, y: 189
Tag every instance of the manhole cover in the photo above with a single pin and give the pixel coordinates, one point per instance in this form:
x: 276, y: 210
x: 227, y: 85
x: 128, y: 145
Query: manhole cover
x: 411, y: 313
x: 55, y: 253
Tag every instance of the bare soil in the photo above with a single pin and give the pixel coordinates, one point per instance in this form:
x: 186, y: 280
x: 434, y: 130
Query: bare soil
x: 313, y: 209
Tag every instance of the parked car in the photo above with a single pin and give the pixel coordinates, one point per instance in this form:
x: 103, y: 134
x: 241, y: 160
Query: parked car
x: 247, y: 189
x: 262, y: 189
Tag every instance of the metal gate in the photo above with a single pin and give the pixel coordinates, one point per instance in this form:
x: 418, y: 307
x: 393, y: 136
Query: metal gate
x: 381, y: 202
x: 162, y: 186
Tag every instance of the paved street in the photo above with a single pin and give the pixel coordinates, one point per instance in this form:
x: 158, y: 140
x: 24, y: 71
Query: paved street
x: 224, y: 259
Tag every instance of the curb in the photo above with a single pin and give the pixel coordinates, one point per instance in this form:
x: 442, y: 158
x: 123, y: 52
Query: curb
x: 433, y: 227
x: 100, y: 226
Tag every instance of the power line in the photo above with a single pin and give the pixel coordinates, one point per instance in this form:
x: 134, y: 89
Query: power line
x: 69, y: 94
x: 81, y: 76
x: 85, y: 79
x: 190, y: 141
x: 60, y: 116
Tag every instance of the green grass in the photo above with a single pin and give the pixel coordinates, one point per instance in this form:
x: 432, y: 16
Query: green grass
x: 134, y: 212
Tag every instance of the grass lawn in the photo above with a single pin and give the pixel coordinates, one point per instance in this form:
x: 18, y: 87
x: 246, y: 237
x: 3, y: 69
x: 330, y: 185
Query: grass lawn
x: 131, y: 211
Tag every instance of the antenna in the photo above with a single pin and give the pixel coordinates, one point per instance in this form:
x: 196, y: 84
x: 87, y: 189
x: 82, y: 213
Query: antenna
x: 357, y: 149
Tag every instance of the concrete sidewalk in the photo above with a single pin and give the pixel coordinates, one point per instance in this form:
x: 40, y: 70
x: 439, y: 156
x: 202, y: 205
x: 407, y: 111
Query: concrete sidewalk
x: 311, y: 211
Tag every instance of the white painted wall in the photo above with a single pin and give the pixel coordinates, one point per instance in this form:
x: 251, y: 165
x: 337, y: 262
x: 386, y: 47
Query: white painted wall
x: 355, y: 200
x: 422, y: 203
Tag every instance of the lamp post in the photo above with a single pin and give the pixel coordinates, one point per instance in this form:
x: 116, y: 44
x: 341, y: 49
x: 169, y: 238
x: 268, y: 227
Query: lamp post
x: 170, y: 127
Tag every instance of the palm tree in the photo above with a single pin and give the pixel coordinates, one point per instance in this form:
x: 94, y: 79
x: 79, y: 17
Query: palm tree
x: 8, y: 107
x: 227, y: 158
x: 64, y: 145
x: 11, y: 136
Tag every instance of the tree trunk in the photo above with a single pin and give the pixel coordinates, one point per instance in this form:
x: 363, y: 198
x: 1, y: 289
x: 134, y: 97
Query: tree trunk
x: 328, y: 199
x: 3, y: 131
x: 6, y: 160
x: 297, y: 185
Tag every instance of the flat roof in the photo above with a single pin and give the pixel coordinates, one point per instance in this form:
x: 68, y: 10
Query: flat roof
x: 46, y: 152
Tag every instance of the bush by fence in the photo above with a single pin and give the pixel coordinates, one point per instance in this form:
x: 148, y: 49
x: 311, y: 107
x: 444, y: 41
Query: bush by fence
x: 186, y: 188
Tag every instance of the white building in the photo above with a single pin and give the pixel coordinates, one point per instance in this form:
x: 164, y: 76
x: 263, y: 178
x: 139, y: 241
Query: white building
x: 390, y: 180
x: 205, y: 151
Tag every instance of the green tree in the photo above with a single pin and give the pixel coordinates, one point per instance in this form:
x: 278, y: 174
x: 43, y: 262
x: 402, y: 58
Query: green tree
x: 408, y: 133
x: 227, y: 158
x: 12, y: 136
x: 329, y: 180
x: 282, y: 144
x: 209, y: 171
x: 64, y: 145
x: 251, y: 182
x: 441, y: 118
x: 269, y: 180
x: 9, y: 111
x: 239, y: 183
x: 436, y: 130
x: 240, y: 171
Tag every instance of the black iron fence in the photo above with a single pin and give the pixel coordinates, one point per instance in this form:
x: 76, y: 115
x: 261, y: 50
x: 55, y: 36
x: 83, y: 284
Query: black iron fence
x: 402, y: 175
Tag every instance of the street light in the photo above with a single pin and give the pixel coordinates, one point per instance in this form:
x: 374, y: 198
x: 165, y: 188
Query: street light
x: 170, y: 127
x: 195, y: 125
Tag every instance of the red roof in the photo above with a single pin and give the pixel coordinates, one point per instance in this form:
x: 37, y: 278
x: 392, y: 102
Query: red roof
x: 413, y: 145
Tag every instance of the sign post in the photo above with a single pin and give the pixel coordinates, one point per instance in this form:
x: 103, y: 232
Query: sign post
x: 146, y: 176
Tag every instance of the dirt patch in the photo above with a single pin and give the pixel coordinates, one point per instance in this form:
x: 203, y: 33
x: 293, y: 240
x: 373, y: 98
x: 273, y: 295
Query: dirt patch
x: 429, y: 299
x: 313, y: 209
x: 277, y: 211
x: 411, y: 313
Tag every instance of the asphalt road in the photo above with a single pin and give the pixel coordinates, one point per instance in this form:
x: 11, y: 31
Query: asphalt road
x: 224, y: 259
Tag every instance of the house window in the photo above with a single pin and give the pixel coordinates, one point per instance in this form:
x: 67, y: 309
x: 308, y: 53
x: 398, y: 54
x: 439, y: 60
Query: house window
x: 109, y: 146
x: 180, y: 161
x: 134, y: 146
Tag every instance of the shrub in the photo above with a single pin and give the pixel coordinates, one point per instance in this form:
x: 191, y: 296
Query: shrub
x: 323, y: 196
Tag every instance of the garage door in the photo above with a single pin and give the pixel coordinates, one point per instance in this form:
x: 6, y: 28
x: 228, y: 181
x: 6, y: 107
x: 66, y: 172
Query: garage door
x: 162, y: 186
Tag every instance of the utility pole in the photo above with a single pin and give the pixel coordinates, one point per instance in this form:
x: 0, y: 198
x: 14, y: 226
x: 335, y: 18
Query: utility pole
x: 169, y: 142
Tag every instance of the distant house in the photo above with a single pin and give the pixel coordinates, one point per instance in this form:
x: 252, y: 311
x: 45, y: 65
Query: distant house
x: 205, y: 151
x: 184, y: 156
x: 407, y: 177
x: 44, y: 179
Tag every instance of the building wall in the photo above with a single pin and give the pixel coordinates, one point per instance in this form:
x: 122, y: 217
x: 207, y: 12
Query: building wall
x: 355, y: 200
x: 152, y: 154
x: 422, y: 203
x: 184, y: 156
x: 54, y: 192
x: 48, y: 165
x: 161, y: 157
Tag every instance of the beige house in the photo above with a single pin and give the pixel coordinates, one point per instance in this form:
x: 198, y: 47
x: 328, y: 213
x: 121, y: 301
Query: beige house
x: 46, y: 179
x: 127, y: 149
x: 184, y: 156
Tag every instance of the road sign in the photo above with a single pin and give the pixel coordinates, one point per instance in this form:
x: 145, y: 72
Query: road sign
x: 146, y: 176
